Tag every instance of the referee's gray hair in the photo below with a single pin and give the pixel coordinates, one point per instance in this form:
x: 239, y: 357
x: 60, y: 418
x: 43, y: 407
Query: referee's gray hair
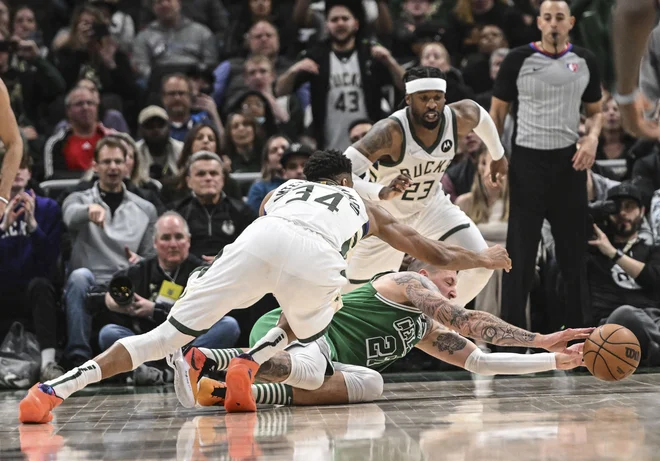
x: 498, y: 53
x: 172, y: 214
x: 203, y: 155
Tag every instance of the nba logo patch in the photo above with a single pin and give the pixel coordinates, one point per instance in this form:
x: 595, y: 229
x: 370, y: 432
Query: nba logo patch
x: 572, y: 66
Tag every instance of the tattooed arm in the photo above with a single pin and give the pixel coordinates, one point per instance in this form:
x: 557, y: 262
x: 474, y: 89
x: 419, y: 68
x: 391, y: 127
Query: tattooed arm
x: 473, y: 324
x: 446, y: 345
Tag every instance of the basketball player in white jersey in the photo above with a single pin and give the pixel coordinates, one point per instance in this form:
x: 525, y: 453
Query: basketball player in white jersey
x: 402, y: 159
x: 296, y: 251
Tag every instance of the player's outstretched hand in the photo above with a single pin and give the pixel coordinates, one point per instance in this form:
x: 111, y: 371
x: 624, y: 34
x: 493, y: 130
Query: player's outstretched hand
x: 572, y: 360
x: 557, y: 342
x: 497, y: 258
x: 397, y: 187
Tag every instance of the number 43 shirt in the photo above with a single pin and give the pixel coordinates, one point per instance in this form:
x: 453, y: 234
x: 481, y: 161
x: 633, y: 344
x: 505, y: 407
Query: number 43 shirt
x: 345, y: 99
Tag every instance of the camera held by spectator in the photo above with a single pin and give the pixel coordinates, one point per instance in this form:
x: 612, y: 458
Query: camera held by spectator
x: 599, y: 214
x: 121, y: 290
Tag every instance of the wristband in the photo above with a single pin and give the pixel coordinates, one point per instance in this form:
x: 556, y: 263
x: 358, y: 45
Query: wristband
x: 618, y: 255
x: 4, y: 200
x: 626, y: 99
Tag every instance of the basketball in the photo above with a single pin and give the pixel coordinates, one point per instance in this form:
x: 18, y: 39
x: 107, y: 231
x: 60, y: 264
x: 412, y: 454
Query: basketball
x: 612, y: 352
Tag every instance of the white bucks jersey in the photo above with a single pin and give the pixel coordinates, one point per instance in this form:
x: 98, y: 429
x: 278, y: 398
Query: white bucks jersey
x: 424, y: 165
x: 345, y: 100
x: 336, y: 213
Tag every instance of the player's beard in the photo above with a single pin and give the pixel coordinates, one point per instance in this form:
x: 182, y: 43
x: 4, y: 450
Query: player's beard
x: 429, y: 125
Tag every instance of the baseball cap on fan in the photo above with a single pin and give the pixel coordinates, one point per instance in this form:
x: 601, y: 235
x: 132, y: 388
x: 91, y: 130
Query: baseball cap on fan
x: 625, y: 190
x: 151, y: 112
x: 295, y: 149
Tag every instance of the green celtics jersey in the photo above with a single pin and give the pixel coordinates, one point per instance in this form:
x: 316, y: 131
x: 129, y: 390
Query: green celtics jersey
x: 369, y: 330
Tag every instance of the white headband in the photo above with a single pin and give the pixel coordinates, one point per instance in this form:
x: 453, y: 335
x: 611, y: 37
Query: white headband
x: 426, y: 84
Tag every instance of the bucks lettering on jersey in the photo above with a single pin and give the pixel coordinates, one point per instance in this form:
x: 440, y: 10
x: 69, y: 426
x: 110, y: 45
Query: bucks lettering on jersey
x: 336, y: 213
x: 424, y: 166
x: 369, y: 330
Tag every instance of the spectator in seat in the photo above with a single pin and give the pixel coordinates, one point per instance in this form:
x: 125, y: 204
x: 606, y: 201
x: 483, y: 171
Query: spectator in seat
x: 487, y: 204
x: 70, y: 151
x: 340, y: 96
x: 624, y: 273
x: 255, y: 105
x: 32, y: 82
x: 434, y: 54
x: 30, y: 233
x: 122, y: 27
x: 177, y: 95
x: 415, y: 14
x: 261, y: 39
x: 158, y: 281
x: 243, y: 143
x: 358, y: 129
x: 476, y: 70
x: 271, y: 172
x: 614, y: 142
x: 25, y: 27
x: 110, y: 228
x: 159, y: 153
x: 173, y: 39
x: 203, y: 137
x: 90, y: 52
x: 494, y: 63
x: 459, y: 177
x: 215, y: 220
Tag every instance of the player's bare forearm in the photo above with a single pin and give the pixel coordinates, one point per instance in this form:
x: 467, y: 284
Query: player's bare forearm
x: 498, y: 111
x: 594, y: 121
x: 275, y: 370
x: 11, y: 138
x: 633, y: 21
x: 473, y: 324
x: 384, y: 138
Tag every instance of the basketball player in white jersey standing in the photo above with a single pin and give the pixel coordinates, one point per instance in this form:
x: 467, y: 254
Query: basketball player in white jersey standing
x: 296, y: 251
x: 402, y: 159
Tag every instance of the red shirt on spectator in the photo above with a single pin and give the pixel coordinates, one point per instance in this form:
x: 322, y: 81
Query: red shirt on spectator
x: 79, y: 152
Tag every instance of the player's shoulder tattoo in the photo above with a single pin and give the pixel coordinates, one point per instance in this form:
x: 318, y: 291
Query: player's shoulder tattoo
x: 381, y: 136
x: 418, y: 280
x: 467, y: 111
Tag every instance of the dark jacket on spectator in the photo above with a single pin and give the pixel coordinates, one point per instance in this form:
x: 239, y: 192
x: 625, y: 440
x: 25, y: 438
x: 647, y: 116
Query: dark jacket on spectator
x: 25, y: 256
x: 374, y: 77
x: 31, y: 85
x: 213, y: 226
x: 77, y: 64
x: 646, y: 167
x: 147, y: 277
x: 611, y: 287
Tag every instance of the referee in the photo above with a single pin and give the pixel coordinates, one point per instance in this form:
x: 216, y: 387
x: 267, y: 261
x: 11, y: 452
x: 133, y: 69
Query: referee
x: 545, y: 83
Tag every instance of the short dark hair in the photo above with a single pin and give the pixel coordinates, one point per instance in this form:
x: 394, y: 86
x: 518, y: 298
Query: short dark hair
x: 423, y: 72
x: 112, y: 142
x: 327, y: 164
x: 359, y: 121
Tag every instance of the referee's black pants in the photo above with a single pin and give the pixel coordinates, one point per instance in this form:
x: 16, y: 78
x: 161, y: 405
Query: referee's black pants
x: 543, y: 184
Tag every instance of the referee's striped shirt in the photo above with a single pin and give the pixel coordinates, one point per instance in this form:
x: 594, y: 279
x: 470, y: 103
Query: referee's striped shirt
x: 546, y: 92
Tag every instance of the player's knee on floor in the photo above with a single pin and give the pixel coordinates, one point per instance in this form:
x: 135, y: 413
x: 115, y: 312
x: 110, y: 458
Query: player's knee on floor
x: 362, y: 384
x: 308, y: 365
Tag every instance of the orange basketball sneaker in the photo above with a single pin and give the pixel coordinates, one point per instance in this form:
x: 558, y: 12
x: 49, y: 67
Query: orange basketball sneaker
x: 240, y: 377
x: 211, y: 392
x: 36, y: 407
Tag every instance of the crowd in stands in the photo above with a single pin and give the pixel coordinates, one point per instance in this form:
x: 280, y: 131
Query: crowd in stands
x: 154, y: 128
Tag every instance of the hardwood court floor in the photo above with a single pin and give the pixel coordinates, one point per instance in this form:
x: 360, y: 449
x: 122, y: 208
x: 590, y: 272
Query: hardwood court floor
x: 552, y: 417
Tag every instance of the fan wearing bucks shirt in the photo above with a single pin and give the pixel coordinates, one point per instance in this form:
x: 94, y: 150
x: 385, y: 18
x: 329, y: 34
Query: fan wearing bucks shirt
x: 402, y: 160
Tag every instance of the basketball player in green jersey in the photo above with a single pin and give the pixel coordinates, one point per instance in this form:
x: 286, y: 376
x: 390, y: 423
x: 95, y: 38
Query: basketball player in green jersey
x: 379, y: 323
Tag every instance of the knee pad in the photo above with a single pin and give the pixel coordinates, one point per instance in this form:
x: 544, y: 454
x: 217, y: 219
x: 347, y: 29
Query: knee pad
x: 362, y: 384
x: 308, y: 365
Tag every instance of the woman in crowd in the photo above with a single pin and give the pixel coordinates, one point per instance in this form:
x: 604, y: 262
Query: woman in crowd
x: 243, y: 143
x: 488, y: 207
x: 271, y: 171
x: 614, y: 142
x: 24, y: 27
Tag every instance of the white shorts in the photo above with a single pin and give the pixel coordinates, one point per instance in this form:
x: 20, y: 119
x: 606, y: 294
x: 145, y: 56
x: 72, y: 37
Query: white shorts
x: 438, y: 220
x: 275, y: 256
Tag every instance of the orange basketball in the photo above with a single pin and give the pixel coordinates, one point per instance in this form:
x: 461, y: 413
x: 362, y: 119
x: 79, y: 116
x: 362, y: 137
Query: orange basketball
x: 612, y: 352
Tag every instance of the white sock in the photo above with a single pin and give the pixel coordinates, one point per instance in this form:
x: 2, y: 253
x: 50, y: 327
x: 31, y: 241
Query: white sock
x: 76, y: 379
x: 272, y: 342
x: 47, y: 356
x: 221, y: 356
